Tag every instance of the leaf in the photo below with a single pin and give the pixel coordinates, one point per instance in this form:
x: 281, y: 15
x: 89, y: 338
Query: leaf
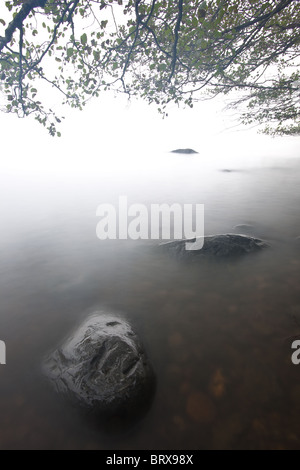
x: 96, y: 55
x: 8, y: 5
x: 2, y: 22
x: 70, y: 52
x: 194, y: 22
x: 201, y: 13
x: 83, y: 39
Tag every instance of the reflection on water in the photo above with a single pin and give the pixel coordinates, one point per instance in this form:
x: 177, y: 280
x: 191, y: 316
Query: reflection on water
x: 218, y: 334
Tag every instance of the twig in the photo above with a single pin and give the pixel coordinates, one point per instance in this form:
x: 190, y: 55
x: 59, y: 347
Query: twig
x: 176, y: 34
x: 21, y: 69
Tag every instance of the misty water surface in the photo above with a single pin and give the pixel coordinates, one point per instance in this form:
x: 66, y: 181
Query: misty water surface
x: 218, y: 334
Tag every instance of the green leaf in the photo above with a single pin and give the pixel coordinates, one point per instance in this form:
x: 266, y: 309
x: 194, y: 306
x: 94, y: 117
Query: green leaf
x: 8, y: 5
x: 201, y: 14
x: 70, y: 52
x: 96, y: 55
x: 194, y: 22
x: 2, y: 22
x: 83, y: 39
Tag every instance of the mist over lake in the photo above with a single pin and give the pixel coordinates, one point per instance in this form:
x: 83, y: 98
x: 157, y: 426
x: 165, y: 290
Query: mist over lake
x: 218, y: 335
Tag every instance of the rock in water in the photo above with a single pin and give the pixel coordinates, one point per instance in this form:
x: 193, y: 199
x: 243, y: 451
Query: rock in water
x: 216, y: 246
x: 103, y: 367
x: 186, y: 151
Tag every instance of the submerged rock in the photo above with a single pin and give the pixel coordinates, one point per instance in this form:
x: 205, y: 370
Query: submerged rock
x: 244, y: 228
x: 216, y: 246
x: 103, y: 368
x: 200, y: 408
x: 186, y: 151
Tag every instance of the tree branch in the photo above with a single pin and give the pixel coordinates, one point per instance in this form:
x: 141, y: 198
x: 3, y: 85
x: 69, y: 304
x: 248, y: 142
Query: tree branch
x: 176, y: 34
x: 17, y: 22
x: 21, y: 69
x: 138, y: 22
x: 282, y: 5
x: 57, y: 26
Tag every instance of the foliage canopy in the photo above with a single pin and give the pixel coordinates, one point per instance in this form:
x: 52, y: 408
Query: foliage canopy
x: 161, y: 50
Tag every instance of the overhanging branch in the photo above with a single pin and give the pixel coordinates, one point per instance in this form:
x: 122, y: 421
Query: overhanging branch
x: 17, y: 22
x: 176, y: 34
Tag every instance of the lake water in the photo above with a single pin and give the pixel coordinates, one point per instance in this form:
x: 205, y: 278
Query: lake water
x: 218, y: 335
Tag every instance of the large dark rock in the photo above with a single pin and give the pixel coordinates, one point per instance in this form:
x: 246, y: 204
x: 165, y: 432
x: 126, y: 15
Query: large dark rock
x: 186, y: 151
x: 216, y: 246
x: 103, y: 368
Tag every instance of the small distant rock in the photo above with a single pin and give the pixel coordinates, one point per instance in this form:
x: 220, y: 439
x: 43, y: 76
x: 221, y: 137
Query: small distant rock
x: 243, y: 227
x: 186, y: 151
x: 227, y: 170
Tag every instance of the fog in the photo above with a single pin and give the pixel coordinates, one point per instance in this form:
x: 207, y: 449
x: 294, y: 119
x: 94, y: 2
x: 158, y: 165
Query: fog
x: 201, y: 323
x: 115, y: 134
